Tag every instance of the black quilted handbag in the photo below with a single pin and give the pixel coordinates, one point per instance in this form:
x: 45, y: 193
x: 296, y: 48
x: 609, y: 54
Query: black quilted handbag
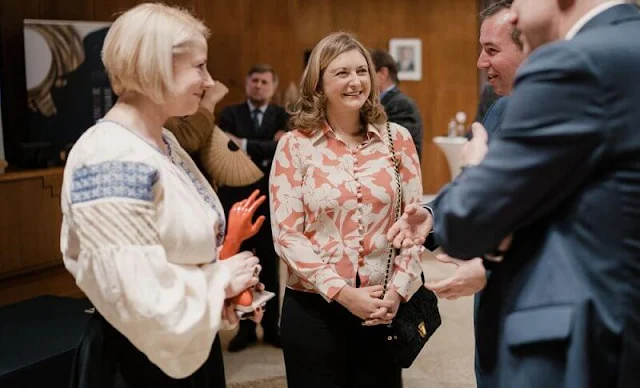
x: 418, y: 319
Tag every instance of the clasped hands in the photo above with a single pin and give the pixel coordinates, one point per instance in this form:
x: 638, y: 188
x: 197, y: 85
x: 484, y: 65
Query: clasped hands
x: 365, y: 303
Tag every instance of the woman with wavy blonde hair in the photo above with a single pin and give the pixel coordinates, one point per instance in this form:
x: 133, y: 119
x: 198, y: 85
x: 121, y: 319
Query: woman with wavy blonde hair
x: 333, y: 188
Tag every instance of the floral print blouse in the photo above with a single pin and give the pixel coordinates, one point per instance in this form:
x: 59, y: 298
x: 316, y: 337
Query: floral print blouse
x: 332, y: 205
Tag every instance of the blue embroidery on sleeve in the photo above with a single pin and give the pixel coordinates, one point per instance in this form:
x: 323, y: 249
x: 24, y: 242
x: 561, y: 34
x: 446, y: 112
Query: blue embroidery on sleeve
x: 113, y: 179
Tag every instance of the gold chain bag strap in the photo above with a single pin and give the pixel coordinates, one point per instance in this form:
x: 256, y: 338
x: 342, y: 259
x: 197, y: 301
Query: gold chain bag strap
x: 418, y: 319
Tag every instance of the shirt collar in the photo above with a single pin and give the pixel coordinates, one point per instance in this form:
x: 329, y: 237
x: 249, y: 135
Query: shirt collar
x: 325, y: 130
x: 387, y: 90
x: 262, y: 108
x: 590, y: 15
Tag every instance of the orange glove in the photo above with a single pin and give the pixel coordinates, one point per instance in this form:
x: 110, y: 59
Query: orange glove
x: 240, y: 228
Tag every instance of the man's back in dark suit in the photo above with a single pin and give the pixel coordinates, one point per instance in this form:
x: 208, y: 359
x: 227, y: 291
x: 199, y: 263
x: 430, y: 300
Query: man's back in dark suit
x: 492, y: 119
x: 564, y: 174
x: 400, y: 108
x: 403, y: 110
x: 487, y: 98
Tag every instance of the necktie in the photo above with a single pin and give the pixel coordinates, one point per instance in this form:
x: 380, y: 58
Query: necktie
x: 255, y: 116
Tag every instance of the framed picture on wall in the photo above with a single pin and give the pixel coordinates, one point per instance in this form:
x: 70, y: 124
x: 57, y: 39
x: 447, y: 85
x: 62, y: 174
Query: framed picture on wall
x: 408, y: 56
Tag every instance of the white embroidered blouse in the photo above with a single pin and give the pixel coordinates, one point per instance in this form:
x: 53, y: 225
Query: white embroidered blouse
x: 140, y: 233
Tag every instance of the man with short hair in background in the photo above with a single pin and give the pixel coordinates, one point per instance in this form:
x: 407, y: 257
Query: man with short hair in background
x: 256, y: 126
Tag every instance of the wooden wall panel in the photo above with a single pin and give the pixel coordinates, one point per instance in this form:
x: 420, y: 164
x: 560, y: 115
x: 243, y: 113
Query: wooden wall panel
x: 245, y: 32
x: 279, y: 31
x: 48, y: 281
x: 107, y: 10
x: 66, y: 10
x: 30, y: 258
x: 229, y: 46
x: 30, y: 222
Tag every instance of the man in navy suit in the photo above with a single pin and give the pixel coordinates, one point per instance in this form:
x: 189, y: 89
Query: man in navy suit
x: 256, y: 125
x: 501, y: 55
x: 562, y: 177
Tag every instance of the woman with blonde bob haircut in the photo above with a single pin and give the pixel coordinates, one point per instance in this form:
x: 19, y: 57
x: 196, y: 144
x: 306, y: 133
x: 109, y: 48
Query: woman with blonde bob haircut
x: 142, y: 228
x: 142, y: 62
x: 333, y: 188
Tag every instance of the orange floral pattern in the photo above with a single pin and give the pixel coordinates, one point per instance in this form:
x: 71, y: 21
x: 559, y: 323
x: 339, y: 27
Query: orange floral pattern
x: 332, y: 204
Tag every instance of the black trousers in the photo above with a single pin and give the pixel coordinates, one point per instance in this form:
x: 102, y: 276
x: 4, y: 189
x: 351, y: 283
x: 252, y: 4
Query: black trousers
x: 262, y: 246
x: 325, y: 346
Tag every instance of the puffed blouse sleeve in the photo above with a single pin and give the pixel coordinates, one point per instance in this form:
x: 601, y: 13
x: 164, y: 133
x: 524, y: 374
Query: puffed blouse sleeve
x: 288, y: 218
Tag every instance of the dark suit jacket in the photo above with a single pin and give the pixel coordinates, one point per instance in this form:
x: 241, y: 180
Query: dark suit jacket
x: 492, y: 120
x: 402, y: 110
x: 563, y: 172
x: 487, y: 98
x: 236, y: 119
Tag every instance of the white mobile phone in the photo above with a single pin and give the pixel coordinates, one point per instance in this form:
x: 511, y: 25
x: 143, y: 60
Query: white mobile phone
x: 259, y: 300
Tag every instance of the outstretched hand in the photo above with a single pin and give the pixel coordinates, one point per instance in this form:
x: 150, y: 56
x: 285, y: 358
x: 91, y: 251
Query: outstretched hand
x: 469, y: 278
x: 412, y: 227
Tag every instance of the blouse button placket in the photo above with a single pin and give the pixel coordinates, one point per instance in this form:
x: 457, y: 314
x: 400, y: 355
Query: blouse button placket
x: 359, y: 210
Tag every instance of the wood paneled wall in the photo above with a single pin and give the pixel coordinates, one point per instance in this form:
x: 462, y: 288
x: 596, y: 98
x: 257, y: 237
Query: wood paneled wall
x: 30, y: 218
x: 278, y: 32
x: 30, y: 222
